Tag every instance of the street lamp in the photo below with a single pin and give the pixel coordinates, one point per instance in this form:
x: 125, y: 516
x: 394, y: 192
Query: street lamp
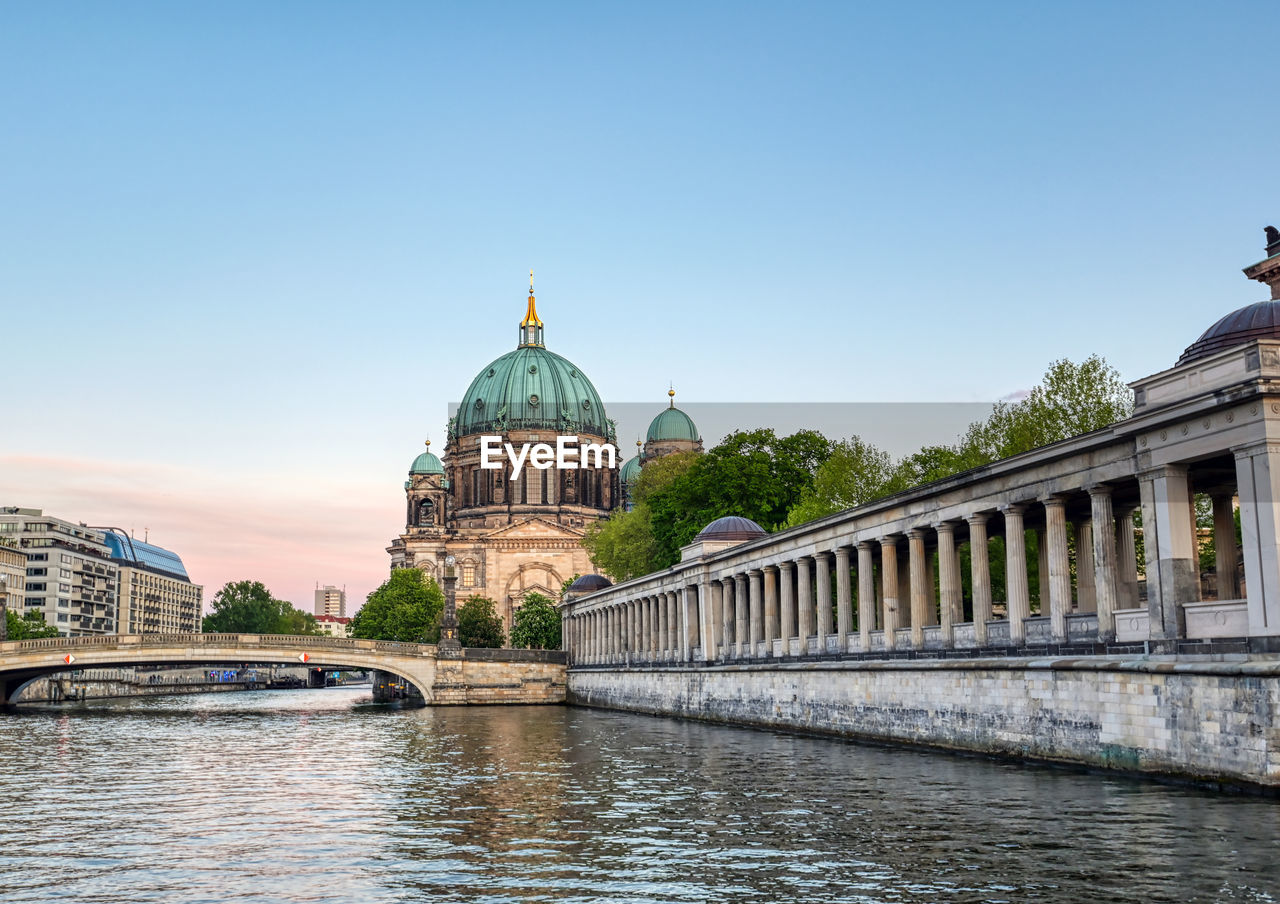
x: 449, y: 647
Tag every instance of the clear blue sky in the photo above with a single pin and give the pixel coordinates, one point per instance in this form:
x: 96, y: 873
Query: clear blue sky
x: 256, y: 248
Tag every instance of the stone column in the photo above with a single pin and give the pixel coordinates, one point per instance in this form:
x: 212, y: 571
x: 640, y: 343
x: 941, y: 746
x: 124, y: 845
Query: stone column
x: 844, y: 600
x: 1104, y: 561
x: 706, y: 620
x: 980, y: 576
x: 741, y: 615
x: 822, y: 584
x: 755, y: 632
x: 788, y: 608
x: 866, y: 595
x: 889, y: 580
x: 673, y: 614
x: 1086, y: 592
x: 1055, y: 512
x: 646, y: 627
x: 688, y: 619
x: 726, y: 616
x: 804, y: 604
x: 716, y: 604
x: 664, y: 625
x: 770, y: 608
x: 1015, y: 576
x: 951, y: 591
x: 655, y: 640
x: 615, y: 625
x: 1224, y: 546
x: 1173, y: 563
x: 1126, y: 561
x: 1042, y: 570
x: 919, y: 591
x: 1258, y: 481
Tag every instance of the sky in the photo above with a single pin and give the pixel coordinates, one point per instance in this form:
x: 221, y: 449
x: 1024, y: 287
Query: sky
x: 250, y: 252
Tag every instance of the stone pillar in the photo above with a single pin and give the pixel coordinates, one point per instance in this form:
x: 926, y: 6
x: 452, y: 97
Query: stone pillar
x: 1086, y: 592
x: 664, y: 626
x: 706, y: 620
x: 770, y: 608
x: 919, y: 591
x: 822, y: 584
x: 980, y: 576
x: 655, y: 619
x: 1224, y: 546
x: 741, y: 615
x: 866, y: 595
x: 889, y: 580
x: 1258, y: 481
x: 673, y: 614
x: 804, y: 604
x: 1015, y: 576
x: 1042, y: 571
x: 844, y: 600
x: 716, y: 604
x: 1055, y: 512
x: 951, y: 591
x: 726, y: 616
x: 615, y: 623
x: 1173, y: 564
x: 1104, y: 561
x: 787, y: 629
x: 1126, y: 561
x: 755, y: 631
x: 646, y: 627
x: 688, y: 619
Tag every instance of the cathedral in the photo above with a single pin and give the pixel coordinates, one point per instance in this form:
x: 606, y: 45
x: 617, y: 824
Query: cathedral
x: 513, y: 536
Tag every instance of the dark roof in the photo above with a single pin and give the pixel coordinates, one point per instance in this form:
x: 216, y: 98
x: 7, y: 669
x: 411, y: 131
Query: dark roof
x: 1255, y: 321
x: 589, y: 583
x: 731, y: 527
x: 128, y: 551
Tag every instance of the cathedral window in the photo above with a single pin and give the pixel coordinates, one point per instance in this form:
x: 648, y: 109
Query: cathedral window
x: 468, y: 575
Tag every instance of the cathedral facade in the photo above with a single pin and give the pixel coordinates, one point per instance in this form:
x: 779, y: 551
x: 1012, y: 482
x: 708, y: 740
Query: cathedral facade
x: 511, y: 534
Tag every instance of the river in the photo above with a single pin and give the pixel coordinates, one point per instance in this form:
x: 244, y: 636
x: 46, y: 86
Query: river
x: 314, y: 796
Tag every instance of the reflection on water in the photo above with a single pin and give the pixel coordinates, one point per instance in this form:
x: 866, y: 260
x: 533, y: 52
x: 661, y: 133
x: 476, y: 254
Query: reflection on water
x: 306, y: 796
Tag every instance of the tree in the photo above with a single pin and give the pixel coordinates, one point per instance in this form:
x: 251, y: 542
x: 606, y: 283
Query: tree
x: 479, y: 624
x: 30, y: 626
x: 407, y: 608
x: 622, y: 545
x: 536, y: 624
x: 247, y: 607
x: 855, y: 473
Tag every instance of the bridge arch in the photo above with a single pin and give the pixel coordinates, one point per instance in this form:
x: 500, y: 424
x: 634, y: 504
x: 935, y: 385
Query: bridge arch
x: 24, y: 661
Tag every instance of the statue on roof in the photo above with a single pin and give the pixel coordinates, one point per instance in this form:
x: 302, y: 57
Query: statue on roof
x: 1273, y: 240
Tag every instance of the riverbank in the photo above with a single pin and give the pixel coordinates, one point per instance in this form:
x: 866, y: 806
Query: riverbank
x: 1204, y: 721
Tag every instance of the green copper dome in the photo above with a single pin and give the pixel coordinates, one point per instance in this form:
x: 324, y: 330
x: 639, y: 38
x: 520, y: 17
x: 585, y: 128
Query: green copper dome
x: 631, y: 470
x: 531, y: 389
x: 672, y: 423
x: 426, y: 463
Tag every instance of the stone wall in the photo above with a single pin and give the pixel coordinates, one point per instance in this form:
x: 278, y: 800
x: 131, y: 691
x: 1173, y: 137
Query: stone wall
x: 477, y: 681
x: 1205, y: 721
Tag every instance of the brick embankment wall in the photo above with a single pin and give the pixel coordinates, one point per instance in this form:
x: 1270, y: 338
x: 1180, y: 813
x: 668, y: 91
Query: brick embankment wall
x: 1205, y: 721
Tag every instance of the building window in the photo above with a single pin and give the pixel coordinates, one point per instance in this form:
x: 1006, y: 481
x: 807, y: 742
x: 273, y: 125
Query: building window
x: 468, y: 575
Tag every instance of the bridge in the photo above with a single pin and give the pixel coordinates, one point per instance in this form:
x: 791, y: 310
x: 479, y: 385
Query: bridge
x: 476, y: 676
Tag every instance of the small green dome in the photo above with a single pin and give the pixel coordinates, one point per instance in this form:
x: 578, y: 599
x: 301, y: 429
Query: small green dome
x: 531, y: 389
x: 672, y: 423
x: 426, y: 463
x: 631, y: 470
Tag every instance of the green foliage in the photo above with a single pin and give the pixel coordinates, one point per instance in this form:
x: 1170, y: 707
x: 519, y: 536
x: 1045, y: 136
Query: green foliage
x: 536, y: 624
x: 407, y: 608
x: 479, y: 624
x: 30, y: 626
x: 754, y: 474
x: 622, y: 545
x: 856, y: 472
x: 1071, y: 399
x: 247, y: 607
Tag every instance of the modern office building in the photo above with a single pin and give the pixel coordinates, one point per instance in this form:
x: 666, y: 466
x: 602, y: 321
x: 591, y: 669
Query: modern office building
x: 13, y: 578
x: 156, y: 595
x: 70, y: 579
x: 331, y: 600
